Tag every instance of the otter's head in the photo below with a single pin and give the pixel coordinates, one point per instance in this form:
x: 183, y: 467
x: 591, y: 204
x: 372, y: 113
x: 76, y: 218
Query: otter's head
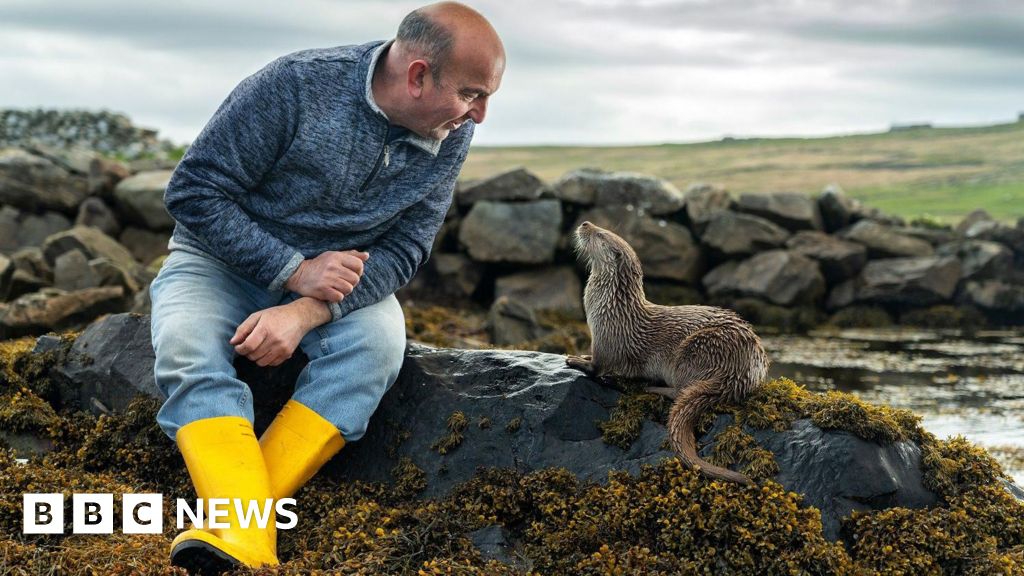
x: 605, y: 251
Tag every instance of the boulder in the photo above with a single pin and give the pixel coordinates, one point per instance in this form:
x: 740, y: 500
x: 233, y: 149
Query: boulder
x: 511, y: 321
x: 884, y: 241
x: 933, y: 236
x: 22, y: 283
x: 701, y: 201
x: 839, y: 473
x: 839, y: 260
x: 520, y: 232
x: 31, y: 260
x: 731, y: 235
x: 10, y: 221
x: 94, y: 212
x: 455, y: 274
x: 104, y: 175
x: 972, y: 219
x: 515, y: 184
x: 512, y: 409
x: 32, y: 182
x: 555, y: 288
x: 837, y: 209
x: 71, y: 272
x: 667, y: 250
x: 34, y: 229
x: 791, y: 210
x: 55, y: 309
x: 994, y: 296
x: 778, y: 276
x: 992, y: 231
x: 7, y: 269
x: 646, y: 194
x: 92, y: 242
x: 140, y: 199
x: 144, y: 245
x: 909, y: 281
x: 979, y: 259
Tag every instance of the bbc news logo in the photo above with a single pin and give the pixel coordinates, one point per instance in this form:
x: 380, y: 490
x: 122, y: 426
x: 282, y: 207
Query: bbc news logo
x: 143, y: 513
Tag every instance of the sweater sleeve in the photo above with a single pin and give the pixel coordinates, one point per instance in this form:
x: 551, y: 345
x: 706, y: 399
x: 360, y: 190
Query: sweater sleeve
x: 398, y: 254
x: 229, y: 159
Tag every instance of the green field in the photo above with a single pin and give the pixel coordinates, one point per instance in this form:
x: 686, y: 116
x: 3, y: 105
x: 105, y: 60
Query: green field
x: 942, y: 173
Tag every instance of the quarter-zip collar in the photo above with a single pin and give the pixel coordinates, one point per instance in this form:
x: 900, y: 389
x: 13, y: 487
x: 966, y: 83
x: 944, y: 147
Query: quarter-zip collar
x: 428, y: 145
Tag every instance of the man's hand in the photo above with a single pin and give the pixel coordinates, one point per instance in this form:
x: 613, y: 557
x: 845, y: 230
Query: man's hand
x: 330, y: 276
x: 269, y: 337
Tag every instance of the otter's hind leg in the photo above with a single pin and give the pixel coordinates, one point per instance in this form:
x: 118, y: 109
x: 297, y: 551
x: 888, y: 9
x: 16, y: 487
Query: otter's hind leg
x: 584, y: 363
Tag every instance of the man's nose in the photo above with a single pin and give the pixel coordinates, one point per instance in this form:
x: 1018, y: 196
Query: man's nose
x: 479, y: 110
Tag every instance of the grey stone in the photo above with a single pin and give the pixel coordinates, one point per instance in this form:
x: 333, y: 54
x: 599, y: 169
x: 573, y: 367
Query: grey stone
x: 515, y: 184
x: 839, y: 260
x: 92, y: 242
x: 979, y: 259
x: 837, y: 209
x: 909, y: 281
x: 646, y: 194
x: 36, y: 228
x: 7, y: 269
x: 971, y: 219
x: 842, y: 295
x: 10, y: 222
x: 701, y: 201
x: 791, y: 210
x: 554, y: 288
x: 883, y: 241
x: 31, y: 260
x: 456, y: 274
x: 778, y: 276
x: 104, y: 175
x: 521, y: 232
x: 732, y: 235
x: 31, y: 182
x: 144, y: 245
x: 140, y: 198
x: 23, y: 283
x: 666, y: 249
x: 94, y: 212
x: 994, y: 295
x: 512, y: 322
x: 71, y: 272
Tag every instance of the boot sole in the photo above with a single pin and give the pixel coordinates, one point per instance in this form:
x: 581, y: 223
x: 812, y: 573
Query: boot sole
x: 198, y: 557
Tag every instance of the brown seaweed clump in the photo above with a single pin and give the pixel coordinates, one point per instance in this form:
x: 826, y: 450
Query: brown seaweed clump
x: 664, y: 520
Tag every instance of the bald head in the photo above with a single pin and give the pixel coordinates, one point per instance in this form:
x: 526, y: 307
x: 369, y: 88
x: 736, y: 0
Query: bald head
x: 448, y: 33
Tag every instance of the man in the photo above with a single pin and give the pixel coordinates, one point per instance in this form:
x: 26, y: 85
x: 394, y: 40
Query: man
x: 309, y: 198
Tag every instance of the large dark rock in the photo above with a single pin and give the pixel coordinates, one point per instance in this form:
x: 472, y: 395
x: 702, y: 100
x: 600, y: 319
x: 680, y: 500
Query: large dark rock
x: 883, y: 241
x: 33, y: 182
x: 518, y: 232
x: 994, y: 296
x: 644, y: 193
x: 91, y: 242
x: 7, y: 269
x: 731, y: 235
x: 778, y: 276
x: 791, y: 210
x: 511, y: 321
x: 837, y: 209
x: 838, y: 259
x: 144, y: 245
x: 839, y: 473
x: 515, y: 184
x: 667, y: 250
x: 522, y: 410
x: 909, y: 281
x: 94, y: 212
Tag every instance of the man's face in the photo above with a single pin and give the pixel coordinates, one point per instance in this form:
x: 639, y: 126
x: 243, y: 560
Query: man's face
x: 462, y: 94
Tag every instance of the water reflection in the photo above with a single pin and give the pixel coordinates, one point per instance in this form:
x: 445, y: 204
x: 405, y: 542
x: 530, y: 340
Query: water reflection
x: 960, y: 383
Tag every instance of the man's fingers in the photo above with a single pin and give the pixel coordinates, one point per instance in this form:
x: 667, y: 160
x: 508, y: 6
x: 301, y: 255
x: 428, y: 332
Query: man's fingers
x: 331, y: 295
x: 353, y: 263
x: 252, y: 342
x: 244, y: 329
x: 344, y: 287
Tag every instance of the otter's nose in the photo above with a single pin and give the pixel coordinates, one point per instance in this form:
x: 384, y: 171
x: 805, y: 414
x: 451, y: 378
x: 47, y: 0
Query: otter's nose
x: 586, y: 224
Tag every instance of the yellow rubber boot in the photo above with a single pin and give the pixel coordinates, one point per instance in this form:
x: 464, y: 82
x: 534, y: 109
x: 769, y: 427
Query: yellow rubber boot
x: 224, y: 461
x: 295, y: 445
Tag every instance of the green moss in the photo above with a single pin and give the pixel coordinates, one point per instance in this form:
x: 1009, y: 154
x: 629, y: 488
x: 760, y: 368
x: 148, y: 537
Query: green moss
x: 457, y: 424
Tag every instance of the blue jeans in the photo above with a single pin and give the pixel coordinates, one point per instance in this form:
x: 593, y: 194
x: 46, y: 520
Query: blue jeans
x: 198, y: 303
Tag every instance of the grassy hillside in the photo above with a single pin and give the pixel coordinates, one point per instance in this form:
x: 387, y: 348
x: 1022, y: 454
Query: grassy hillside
x: 939, y: 172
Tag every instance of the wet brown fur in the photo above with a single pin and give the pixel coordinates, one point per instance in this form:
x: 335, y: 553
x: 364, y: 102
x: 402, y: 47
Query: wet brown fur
x: 704, y: 354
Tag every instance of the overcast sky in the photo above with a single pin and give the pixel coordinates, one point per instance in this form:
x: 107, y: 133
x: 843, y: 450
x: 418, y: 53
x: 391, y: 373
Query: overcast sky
x: 579, y: 71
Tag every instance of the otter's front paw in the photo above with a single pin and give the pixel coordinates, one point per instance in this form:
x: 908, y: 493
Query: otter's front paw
x: 583, y: 363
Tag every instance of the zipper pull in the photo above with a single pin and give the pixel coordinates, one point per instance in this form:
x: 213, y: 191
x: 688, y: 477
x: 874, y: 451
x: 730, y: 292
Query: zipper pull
x: 387, y: 154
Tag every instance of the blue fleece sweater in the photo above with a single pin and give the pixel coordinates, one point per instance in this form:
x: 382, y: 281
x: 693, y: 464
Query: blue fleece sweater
x: 296, y: 161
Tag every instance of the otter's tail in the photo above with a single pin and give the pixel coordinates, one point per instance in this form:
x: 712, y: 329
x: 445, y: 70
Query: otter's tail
x: 692, y: 402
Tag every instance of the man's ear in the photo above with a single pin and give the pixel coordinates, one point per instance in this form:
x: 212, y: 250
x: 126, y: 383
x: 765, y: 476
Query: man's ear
x: 417, y: 77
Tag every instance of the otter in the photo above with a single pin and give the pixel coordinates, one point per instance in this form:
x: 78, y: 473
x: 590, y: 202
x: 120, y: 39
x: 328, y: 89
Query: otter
x: 704, y: 354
